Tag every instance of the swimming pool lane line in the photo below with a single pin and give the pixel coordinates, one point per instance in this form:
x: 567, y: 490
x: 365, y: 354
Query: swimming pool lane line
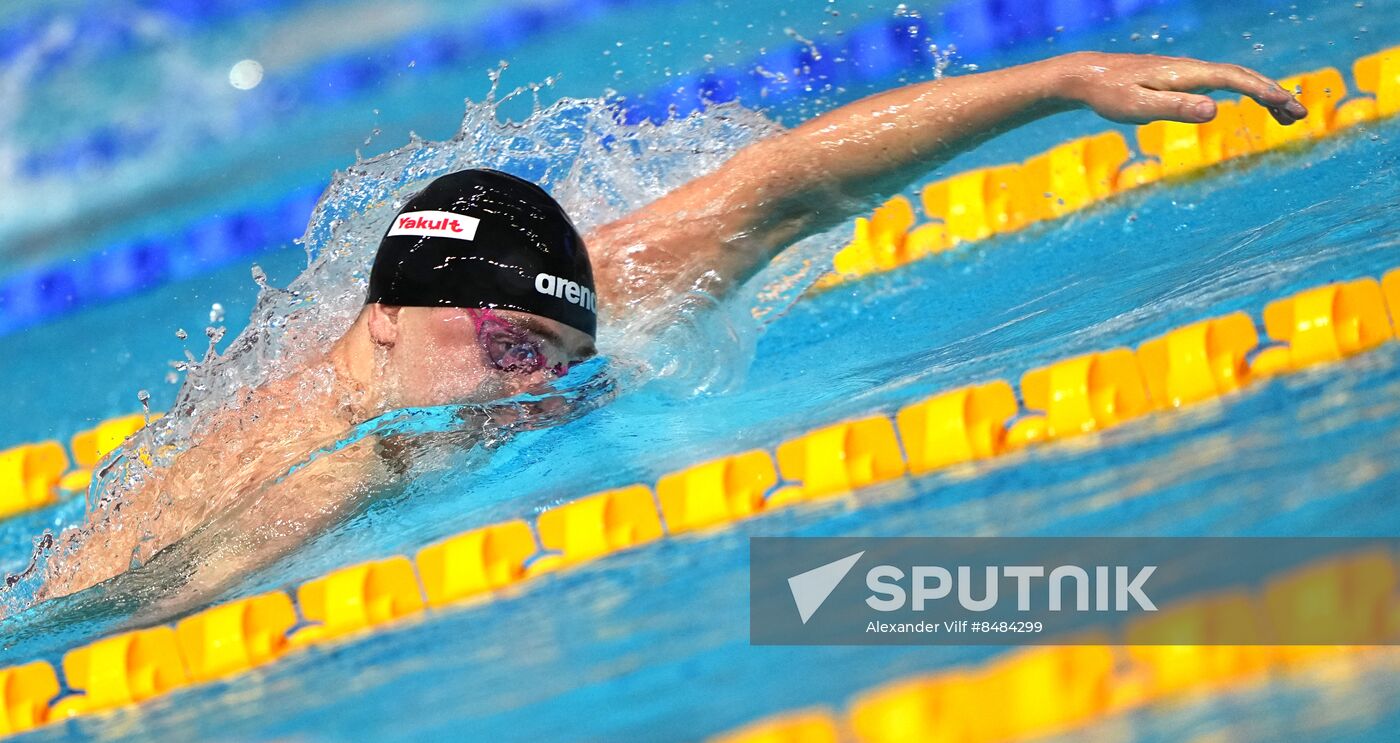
x: 964, y: 208
x: 1043, y: 691
x: 34, y: 476
x: 1085, y: 394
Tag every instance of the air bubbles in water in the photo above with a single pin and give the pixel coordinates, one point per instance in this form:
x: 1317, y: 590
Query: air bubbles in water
x: 181, y: 334
x: 245, y: 75
x: 941, y: 58
x: 799, y: 38
x: 216, y: 313
x: 1258, y: 48
x: 259, y: 276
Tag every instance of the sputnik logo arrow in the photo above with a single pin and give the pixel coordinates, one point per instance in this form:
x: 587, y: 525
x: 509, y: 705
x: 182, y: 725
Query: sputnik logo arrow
x: 810, y: 589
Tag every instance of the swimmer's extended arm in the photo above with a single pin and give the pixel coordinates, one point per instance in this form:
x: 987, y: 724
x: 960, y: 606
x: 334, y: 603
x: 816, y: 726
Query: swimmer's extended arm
x: 721, y: 228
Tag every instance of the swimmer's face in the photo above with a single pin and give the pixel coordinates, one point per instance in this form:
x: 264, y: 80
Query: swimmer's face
x: 444, y: 355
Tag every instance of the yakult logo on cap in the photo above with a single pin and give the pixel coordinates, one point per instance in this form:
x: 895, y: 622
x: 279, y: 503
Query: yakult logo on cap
x: 435, y: 224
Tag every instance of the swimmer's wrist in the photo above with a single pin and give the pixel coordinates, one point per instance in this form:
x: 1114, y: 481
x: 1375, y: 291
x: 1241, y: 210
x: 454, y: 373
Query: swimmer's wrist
x: 1057, y: 83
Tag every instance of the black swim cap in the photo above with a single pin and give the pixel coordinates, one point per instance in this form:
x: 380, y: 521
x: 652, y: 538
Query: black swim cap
x: 483, y: 238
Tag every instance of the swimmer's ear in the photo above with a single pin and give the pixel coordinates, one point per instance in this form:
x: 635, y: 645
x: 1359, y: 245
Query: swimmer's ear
x: 383, y: 323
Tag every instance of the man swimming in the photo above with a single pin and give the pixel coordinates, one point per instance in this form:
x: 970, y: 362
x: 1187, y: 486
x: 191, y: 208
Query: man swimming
x: 482, y: 289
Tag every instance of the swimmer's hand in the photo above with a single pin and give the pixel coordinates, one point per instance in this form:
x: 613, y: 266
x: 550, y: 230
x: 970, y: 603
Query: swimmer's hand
x: 1139, y: 88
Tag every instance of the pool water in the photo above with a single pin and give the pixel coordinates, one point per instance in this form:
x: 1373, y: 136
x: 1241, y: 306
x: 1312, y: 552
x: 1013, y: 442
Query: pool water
x: 652, y: 644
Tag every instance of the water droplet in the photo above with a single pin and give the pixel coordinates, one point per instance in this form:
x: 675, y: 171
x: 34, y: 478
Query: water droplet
x: 246, y: 74
x: 412, y: 63
x: 799, y: 38
x: 181, y: 334
x: 216, y: 313
x: 1258, y: 48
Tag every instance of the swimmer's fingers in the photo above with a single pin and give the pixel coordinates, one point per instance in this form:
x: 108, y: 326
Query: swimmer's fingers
x: 1195, y: 74
x: 1147, y: 105
x: 1134, y: 88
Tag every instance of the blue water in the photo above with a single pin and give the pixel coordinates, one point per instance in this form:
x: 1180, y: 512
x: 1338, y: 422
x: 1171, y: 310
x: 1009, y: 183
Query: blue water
x: 652, y: 644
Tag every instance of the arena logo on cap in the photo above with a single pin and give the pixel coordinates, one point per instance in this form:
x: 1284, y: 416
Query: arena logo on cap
x: 569, y: 291
x: 435, y: 224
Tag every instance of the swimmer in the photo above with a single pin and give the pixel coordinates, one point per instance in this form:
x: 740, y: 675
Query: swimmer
x: 482, y: 289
